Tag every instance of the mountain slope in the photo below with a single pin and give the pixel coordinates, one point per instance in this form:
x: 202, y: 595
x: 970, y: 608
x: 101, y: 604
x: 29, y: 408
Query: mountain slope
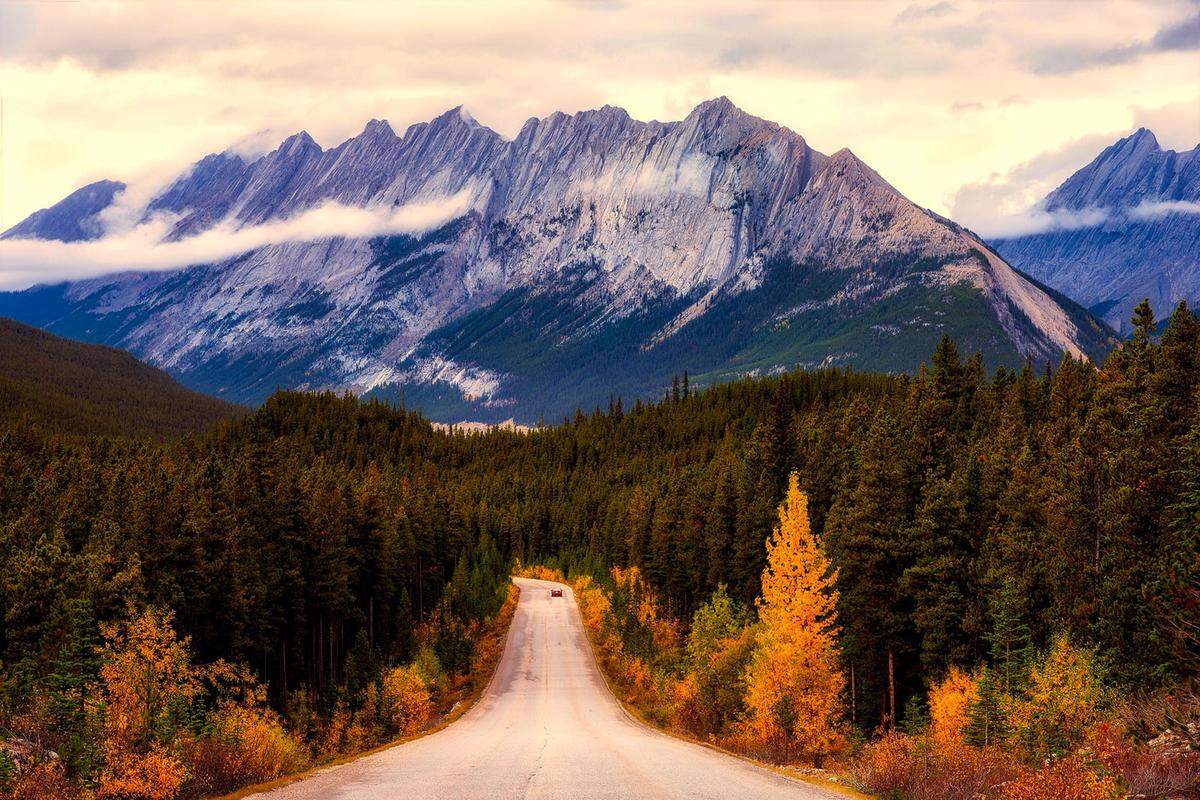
x: 591, y: 255
x: 1148, y: 244
x: 76, y: 388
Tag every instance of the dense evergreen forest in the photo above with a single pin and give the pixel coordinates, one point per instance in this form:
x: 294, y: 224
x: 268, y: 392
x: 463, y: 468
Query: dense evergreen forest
x: 970, y: 517
x: 65, y: 386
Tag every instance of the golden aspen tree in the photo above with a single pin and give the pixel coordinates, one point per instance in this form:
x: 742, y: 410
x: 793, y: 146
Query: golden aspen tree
x: 949, y: 706
x: 794, y: 682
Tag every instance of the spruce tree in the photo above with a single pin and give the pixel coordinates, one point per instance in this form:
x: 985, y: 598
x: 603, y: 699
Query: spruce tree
x: 985, y: 716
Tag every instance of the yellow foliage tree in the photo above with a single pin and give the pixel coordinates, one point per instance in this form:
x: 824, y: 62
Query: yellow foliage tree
x: 1063, y: 700
x: 149, y: 682
x: 949, y: 702
x: 664, y: 631
x: 794, y: 683
x: 405, y: 704
x: 595, y: 609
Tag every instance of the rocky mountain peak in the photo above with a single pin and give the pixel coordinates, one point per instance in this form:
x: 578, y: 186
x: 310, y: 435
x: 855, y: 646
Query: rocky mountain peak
x: 298, y: 144
x: 1129, y: 171
x: 71, y: 219
x: 847, y: 168
x: 1138, y: 250
x: 715, y: 108
x: 1142, y: 138
x: 722, y: 123
x: 457, y: 118
x: 377, y: 128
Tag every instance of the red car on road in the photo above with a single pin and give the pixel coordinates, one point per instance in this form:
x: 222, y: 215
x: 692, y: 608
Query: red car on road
x: 556, y: 592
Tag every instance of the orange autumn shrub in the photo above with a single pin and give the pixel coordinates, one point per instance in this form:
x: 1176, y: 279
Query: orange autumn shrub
x: 42, y: 781
x: 686, y: 712
x: 333, y: 736
x: 1059, y: 780
x: 595, y: 609
x: 148, y: 686
x: 664, y: 631
x: 903, y: 767
x: 247, y: 744
x: 541, y: 573
x: 1062, y: 702
x: 153, y: 775
x: 637, y: 675
x: 405, y: 705
x: 949, y: 702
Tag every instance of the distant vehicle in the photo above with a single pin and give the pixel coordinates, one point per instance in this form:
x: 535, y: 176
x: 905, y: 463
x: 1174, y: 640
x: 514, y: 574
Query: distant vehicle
x: 556, y: 592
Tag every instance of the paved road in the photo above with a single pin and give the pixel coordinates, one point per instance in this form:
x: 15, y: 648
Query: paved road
x: 547, y: 727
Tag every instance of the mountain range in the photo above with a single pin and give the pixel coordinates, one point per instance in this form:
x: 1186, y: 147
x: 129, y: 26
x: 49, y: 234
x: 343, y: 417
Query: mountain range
x: 591, y: 256
x: 1142, y: 239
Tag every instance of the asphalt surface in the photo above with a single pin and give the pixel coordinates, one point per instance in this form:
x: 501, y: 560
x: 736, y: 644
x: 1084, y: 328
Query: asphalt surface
x: 546, y: 727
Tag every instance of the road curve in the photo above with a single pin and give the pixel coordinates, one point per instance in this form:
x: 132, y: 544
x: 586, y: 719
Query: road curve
x: 547, y: 727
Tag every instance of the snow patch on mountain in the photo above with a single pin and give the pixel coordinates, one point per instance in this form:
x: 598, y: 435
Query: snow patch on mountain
x: 473, y: 382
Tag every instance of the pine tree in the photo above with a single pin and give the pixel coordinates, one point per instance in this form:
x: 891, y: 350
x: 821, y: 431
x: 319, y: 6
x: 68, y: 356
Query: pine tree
x: 794, y: 682
x: 1009, y: 638
x: 1143, y: 322
x: 864, y: 537
x: 985, y: 715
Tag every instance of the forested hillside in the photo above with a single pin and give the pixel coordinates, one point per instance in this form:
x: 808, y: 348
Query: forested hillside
x: 968, y: 515
x: 60, y: 385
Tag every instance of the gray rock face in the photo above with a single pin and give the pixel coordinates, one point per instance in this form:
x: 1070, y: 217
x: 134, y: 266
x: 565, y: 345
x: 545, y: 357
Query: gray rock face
x: 1145, y: 248
x: 71, y: 219
x: 721, y: 242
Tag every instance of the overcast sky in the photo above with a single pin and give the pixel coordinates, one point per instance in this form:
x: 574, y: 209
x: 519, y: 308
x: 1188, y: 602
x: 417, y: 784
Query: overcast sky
x: 974, y: 109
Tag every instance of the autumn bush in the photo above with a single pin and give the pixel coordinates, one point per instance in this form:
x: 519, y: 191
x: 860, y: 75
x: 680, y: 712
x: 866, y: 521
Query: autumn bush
x: 1062, y: 779
x: 149, y: 685
x: 949, y: 704
x: 1063, y: 700
x: 153, y: 773
x: 244, y: 744
x: 404, y: 702
x: 541, y: 573
x: 903, y: 767
x: 45, y: 780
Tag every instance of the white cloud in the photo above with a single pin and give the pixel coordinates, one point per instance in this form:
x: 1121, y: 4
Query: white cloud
x: 1154, y: 209
x: 691, y: 176
x: 24, y: 262
x: 1038, y: 220
x: 128, y: 207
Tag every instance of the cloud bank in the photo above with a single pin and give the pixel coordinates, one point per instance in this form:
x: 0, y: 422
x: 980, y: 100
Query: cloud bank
x: 1180, y: 36
x: 1038, y: 220
x: 25, y: 262
x: 1154, y: 209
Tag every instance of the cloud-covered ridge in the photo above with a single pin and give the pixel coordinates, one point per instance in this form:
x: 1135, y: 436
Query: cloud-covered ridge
x: 24, y: 262
x: 1038, y: 220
